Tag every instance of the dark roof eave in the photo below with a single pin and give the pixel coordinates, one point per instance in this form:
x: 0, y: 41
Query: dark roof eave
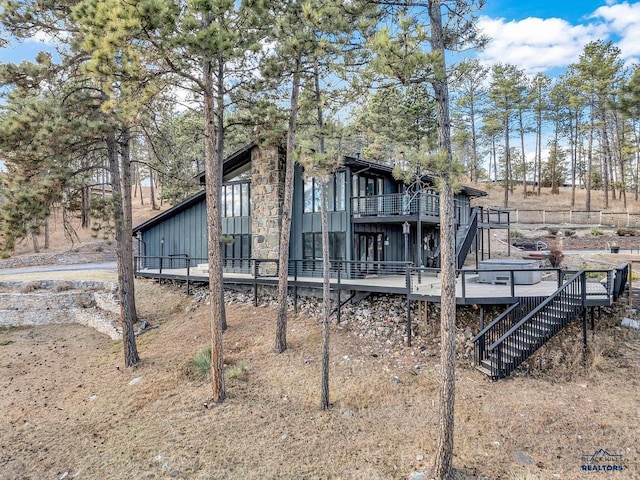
x: 234, y: 160
x: 357, y: 162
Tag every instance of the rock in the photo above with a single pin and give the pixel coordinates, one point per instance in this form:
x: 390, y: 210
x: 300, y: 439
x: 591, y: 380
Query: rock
x: 64, y: 475
x: 419, y: 457
x: 174, y: 473
x: 525, y: 459
x: 346, y: 413
x: 418, y: 476
x: 135, y: 381
x: 630, y: 323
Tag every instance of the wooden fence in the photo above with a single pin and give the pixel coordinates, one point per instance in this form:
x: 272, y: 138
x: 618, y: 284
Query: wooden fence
x: 575, y: 217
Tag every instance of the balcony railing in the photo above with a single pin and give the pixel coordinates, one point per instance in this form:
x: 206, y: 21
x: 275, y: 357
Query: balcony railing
x: 426, y: 202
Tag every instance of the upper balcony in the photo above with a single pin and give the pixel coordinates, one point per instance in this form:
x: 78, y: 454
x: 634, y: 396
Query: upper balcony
x: 397, y: 206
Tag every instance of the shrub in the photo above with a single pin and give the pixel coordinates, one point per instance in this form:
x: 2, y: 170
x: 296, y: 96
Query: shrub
x: 553, y: 230
x: 515, y: 233
x: 238, y: 371
x: 626, y: 232
x: 200, y: 364
x: 555, y: 257
x: 596, y: 231
x: 29, y: 287
x: 568, y: 232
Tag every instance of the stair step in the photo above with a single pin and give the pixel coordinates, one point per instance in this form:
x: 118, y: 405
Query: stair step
x: 484, y: 370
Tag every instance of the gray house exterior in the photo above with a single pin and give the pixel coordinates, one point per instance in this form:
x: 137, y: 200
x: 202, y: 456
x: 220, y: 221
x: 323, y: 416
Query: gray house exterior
x: 372, y: 217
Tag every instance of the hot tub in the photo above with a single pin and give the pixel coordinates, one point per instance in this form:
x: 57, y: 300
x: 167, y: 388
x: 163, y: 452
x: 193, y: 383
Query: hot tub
x: 530, y: 276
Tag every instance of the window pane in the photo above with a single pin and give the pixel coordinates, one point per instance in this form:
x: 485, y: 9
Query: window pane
x: 307, y: 241
x: 245, y: 200
x: 236, y: 201
x: 331, y: 189
x: 340, y: 192
x: 246, y: 246
x: 229, y: 200
x: 317, y: 240
x: 308, y: 195
x: 317, y: 204
x: 223, y: 203
x: 339, y: 246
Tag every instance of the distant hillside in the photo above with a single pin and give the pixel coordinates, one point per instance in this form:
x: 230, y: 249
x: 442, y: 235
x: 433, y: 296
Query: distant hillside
x: 549, y: 201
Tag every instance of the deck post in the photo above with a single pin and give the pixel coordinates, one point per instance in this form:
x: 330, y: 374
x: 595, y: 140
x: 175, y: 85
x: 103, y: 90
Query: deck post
x: 513, y: 283
x: 408, y: 308
x: 295, y: 286
x: 338, y: 293
x: 584, y: 318
x: 188, y: 271
x: 255, y: 283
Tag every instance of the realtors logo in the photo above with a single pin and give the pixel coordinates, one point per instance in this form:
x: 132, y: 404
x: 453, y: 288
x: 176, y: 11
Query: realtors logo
x: 602, y: 461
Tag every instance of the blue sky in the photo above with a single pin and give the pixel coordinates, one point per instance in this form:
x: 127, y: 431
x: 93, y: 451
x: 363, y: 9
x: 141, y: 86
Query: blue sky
x: 537, y: 36
x: 547, y: 35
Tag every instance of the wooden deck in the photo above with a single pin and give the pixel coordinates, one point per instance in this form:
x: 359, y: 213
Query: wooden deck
x: 425, y: 287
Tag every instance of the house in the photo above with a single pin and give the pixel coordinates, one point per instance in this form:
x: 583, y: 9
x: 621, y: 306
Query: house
x: 373, y: 217
x: 376, y: 223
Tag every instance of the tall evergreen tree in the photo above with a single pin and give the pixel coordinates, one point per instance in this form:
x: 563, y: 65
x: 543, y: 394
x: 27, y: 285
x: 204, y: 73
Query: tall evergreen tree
x: 468, y: 83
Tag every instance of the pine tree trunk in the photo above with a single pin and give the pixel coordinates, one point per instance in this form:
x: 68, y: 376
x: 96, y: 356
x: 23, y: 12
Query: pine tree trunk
x: 287, y: 206
x: 213, y: 176
x: 152, y: 190
x: 443, y: 466
x: 47, y: 232
x: 524, y: 157
x: 34, y: 241
x: 326, y: 298
x: 123, y: 243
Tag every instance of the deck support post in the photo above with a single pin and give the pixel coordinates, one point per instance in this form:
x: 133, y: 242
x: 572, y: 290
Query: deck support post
x: 583, y: 287
x: 295, y: 287
x: 408, y: 322
x: 255, y: 283
x: 481, y: 318
x: 338, y: 295
x: 584, y: 336
x: 408, y: 282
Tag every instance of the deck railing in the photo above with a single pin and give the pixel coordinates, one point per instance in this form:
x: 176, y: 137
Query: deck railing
x: 504, y: 354
x: 426, y: 202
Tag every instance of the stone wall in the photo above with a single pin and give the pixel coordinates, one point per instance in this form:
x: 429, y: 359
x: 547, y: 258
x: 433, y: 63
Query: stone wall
x: 94, y: 304
x: 267, y: 186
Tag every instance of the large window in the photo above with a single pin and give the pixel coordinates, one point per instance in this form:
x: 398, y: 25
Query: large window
x: 238, y: 247
x: 236, y: 201
x: 312, y: 246
x: 336, y: 195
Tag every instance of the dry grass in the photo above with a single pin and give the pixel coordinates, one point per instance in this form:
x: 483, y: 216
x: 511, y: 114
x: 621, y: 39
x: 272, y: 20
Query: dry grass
x: 59, y: 242
x: 549, y: 201
x: 70, y: 409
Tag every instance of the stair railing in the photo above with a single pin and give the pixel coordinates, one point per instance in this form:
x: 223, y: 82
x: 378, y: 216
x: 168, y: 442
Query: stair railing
x: 538, y: 327
x: 501, y: 325
x: 470, y: 231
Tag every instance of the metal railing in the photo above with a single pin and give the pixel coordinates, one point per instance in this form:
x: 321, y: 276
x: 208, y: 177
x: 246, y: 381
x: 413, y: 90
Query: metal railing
x: 470, y: 231
x: 521, y: 340
x: 427, y: 202
x: 502, y: 324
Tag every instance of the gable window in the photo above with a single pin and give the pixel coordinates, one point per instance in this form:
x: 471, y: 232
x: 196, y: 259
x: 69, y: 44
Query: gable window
x: 236, y: 200
x: 336, y: 195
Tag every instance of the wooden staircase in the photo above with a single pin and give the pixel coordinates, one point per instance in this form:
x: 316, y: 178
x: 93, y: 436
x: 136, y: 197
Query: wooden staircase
x: 523, y: 328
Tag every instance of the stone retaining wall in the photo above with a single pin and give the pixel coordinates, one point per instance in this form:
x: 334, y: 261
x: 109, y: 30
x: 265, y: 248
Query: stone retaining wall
x: 90, y: 303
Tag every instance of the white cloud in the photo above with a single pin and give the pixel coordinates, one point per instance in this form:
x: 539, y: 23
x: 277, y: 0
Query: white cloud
x: 622, y: 21
x: 536, y: 44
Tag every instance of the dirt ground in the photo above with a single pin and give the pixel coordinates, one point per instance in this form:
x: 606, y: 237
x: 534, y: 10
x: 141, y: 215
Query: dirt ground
x: 70, y: 409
